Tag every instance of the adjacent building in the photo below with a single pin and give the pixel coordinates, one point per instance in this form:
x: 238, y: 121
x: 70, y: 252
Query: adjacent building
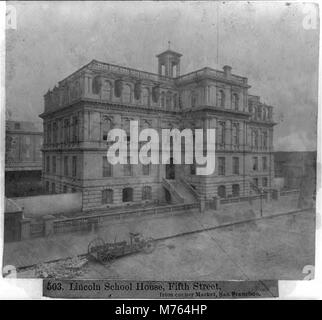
x: 296, y: 168
x: 23, y: 158
x: 83, y: 107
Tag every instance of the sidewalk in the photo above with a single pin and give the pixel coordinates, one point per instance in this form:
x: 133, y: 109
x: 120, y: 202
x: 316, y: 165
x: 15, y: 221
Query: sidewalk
x: 30, y: 252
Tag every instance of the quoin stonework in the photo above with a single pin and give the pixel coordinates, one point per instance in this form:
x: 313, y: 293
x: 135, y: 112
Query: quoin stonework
x: 85, y: 106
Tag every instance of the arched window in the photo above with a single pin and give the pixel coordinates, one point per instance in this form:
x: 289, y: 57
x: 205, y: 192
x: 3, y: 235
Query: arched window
x: 126, y: 94
x: 107, y: 196
x: 235, y: 101
x: 146, y: 193
x: 145, y: 97
x: 96, y: 85
x: 221, y: 99
x: 235, y: 190
x: 127, y: 195
x: 222, y: 191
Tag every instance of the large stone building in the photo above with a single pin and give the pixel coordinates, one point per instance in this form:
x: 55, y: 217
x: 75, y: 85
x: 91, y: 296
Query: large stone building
x: 87, y: 104
x: 23, y: 158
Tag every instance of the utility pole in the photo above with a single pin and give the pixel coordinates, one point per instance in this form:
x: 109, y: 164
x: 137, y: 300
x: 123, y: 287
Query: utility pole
x: 261, y: 201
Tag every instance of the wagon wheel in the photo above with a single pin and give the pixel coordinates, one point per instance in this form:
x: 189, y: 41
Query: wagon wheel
x: 106, y: 258
x: 95, y: 245
x: 149, y: 245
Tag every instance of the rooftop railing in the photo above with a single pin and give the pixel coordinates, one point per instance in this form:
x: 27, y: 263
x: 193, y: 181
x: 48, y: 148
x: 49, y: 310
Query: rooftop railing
x: 129, y: 71
x: 212, y: 73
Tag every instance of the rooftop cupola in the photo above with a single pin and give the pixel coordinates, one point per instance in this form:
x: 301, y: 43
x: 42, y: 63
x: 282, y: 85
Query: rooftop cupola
x: 169, y: 63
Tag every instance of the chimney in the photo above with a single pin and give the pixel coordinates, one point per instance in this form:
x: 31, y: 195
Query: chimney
x: 227, y: 70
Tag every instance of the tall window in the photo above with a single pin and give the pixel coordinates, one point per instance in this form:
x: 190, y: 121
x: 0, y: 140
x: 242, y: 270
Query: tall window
x: 127, y: 195
x: 255, y: 163
x: 255, y: 182
x: 265, y: 182
x: 235, y: 190
x: 221, y: 132
x: 265, y: 139
x: 126, y: 94
x: 66, y: 130
x: 47, y: 164
x: 235, y: 165
x: 146, y: 168
x: 221, y: 166
x: 235, y: 134
x: 169, y: 100
x: 235, y: 101
x: 74, y: 166
x: 49, y: 134
x: 54, y: 164
x: 255, y: 138
x: 106, y: 90
x: 145, y: 97
x: 162, y: 99
x: 107, y: 168
x: 264, y: 163
x: 106, y: 127
x: 146, y: 193
x: 75, y: 129
x: 66, y: 173
x: 55, y: 132
x: 222, y: 191
x: 175, y: 100
x: 107, y: 196
x: 53, y: 187
x: 96, y: 85
x: 193, y: 100
x: 221, y: 99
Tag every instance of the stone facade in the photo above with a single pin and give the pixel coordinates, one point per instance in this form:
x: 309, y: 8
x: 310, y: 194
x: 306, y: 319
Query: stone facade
x: 86, y: 105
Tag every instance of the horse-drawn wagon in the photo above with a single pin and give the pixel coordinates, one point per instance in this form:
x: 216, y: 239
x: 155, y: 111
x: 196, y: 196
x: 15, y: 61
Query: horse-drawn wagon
x: 106, y: 252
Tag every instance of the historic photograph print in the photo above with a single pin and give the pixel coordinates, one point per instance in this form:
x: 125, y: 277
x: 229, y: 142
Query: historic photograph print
x: 160, y: 140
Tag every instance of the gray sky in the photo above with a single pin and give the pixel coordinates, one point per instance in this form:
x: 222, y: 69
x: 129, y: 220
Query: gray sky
x: 265, y: 42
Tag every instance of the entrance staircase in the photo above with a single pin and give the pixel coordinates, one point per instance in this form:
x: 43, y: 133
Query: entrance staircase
x: 181, y: 191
